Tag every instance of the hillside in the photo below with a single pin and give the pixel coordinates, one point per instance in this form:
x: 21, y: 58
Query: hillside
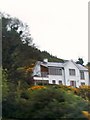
x: 18, y: 50
x: 51, y: 58
x: 19, y: 100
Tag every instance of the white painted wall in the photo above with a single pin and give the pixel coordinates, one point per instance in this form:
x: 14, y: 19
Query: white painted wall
x: 68, y: 77
x: 86, y: 78
x: 57, y: 78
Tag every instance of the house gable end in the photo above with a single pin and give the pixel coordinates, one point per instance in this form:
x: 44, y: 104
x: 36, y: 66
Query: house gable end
x: 70, y: 64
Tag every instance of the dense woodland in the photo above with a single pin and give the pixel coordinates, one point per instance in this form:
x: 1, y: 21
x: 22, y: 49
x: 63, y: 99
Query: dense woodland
x: 19, y: 55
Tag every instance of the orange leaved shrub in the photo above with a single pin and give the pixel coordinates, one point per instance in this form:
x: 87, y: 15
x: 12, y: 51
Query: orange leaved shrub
x: 86, y: 114
x: 37, y: 87
x: 84, y: 92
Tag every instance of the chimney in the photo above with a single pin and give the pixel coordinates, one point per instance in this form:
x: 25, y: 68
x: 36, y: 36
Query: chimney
x: 45, y: 60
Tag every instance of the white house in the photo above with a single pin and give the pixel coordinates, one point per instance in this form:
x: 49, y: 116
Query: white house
x: 68, y: 73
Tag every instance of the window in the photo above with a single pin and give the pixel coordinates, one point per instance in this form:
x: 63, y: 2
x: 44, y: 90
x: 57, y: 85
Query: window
x: 72, y: 72
x: 82, y: 83
x: 55, y: 71
x: 73, y: 83
x: 60, y: 82
x: 44, y: 74
x: 53, y: 81
x: 60, y: 71
x: 82, y: 75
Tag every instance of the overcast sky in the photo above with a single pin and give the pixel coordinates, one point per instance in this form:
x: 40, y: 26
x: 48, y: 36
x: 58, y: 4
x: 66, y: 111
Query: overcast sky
x: 58, y: 26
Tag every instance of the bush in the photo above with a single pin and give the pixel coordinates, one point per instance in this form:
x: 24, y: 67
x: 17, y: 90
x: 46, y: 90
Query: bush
x: 44, y: 103
x: 84, y: 92
x: 52, y: 103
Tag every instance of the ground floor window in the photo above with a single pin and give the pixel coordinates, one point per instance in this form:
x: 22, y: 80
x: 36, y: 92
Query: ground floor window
x: 53, y: 81
x: 41, y: 82
x: 60, y: 82
x: 82, y: 83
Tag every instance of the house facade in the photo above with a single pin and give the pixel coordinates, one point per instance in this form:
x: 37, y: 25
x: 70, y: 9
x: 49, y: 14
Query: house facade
x: 68, y: 73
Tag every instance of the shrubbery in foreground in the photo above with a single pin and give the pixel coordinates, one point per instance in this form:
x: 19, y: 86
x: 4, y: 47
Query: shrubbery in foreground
x: 45, y: 103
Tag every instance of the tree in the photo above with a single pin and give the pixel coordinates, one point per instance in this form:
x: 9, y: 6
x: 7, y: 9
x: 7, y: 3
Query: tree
x: 80, y: 61
x: 16, y: 40
x: 5, y: 86
x: 15, y: 35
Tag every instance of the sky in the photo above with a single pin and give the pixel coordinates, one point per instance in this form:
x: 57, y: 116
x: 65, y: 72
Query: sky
x: 59, y: 27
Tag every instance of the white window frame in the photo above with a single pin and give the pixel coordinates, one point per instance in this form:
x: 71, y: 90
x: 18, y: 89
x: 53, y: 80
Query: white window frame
x: 82, y: 75
x: 55, y: 71
x: 72, y: 72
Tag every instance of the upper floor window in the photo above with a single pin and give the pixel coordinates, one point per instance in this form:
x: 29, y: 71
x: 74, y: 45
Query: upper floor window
x: 72, y: 72
x: 55, y: 71
x: 44, y: 74
x: 82, y: 75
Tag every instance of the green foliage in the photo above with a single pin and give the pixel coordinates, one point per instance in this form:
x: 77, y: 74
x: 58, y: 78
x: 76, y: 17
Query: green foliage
x: 0, y: 92
x: 49, y: 103
x: 80, y: 61
x: 5, y: 85
x: 84, y: 92
x: 51, y: 58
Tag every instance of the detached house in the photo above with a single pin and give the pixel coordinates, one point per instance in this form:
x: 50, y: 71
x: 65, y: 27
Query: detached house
x: 68, y: 73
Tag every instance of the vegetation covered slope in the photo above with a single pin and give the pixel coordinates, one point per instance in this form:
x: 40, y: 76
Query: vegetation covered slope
x: 18, y: 100
x: 18, y: 49
x: 45, y: 102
